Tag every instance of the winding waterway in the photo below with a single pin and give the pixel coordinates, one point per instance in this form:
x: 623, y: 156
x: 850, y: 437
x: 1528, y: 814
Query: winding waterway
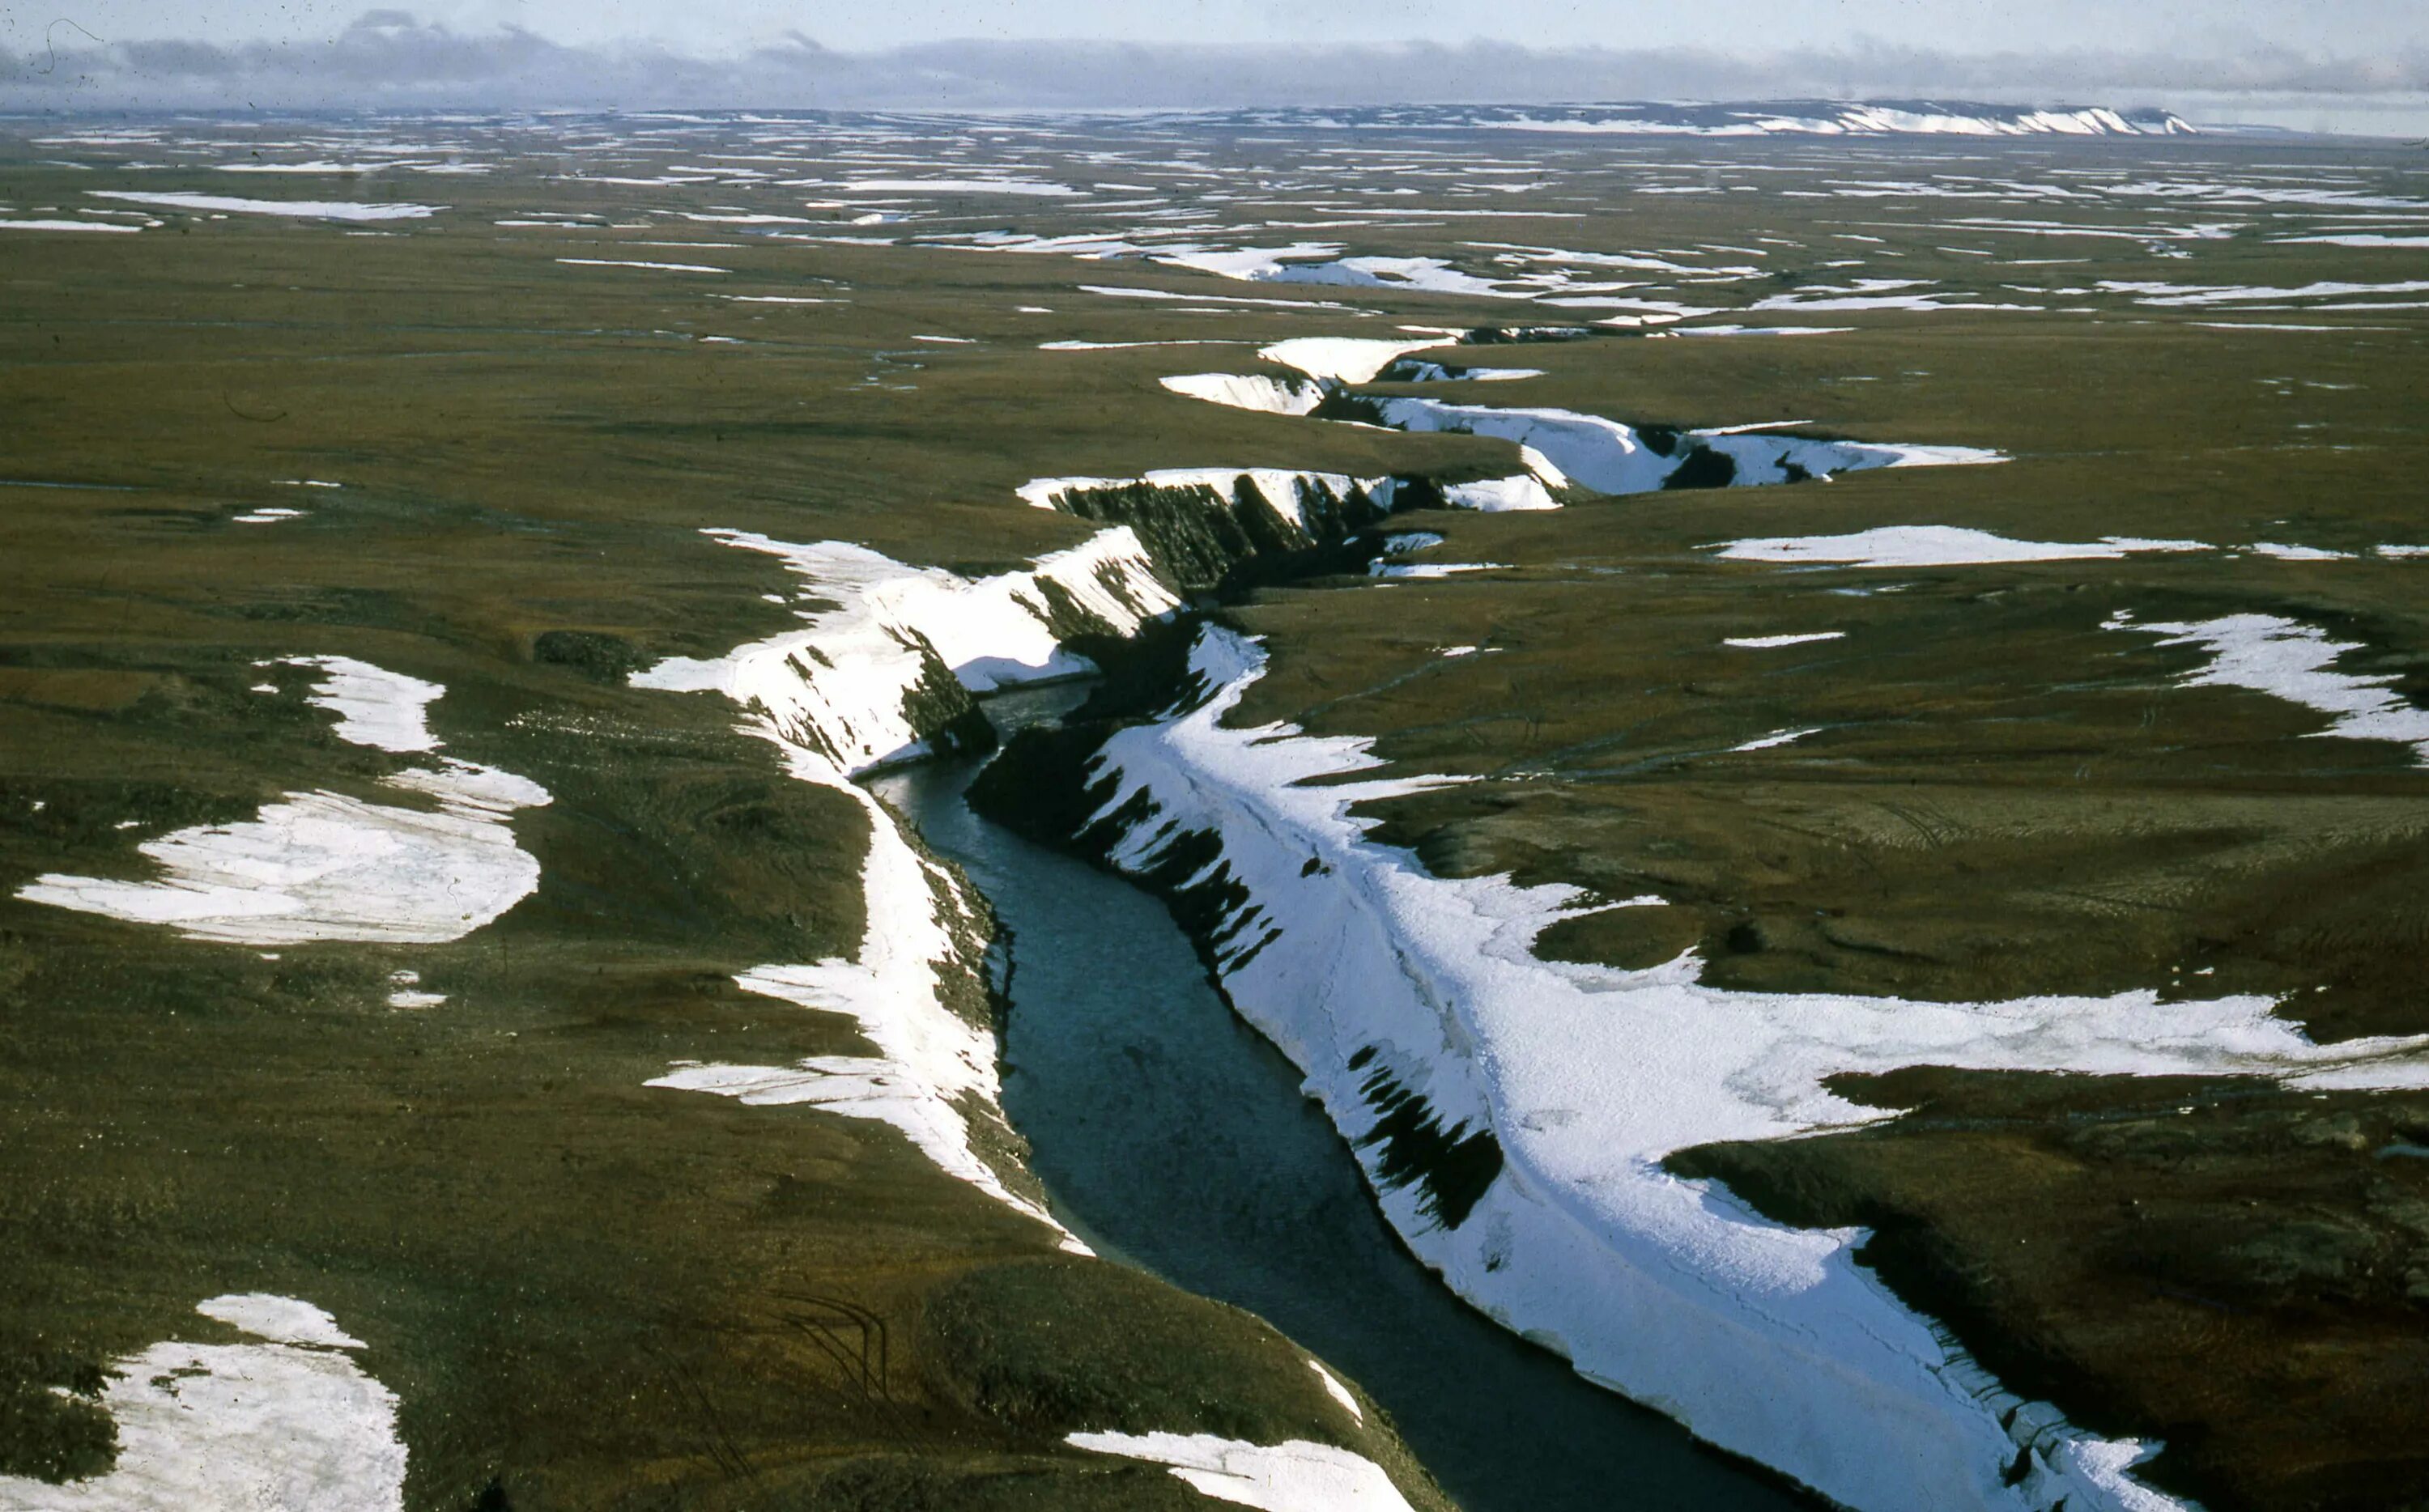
x: 1172, y: 1136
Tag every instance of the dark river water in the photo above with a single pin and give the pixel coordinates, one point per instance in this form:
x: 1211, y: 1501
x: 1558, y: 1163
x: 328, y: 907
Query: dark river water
x: 1172, y: 1136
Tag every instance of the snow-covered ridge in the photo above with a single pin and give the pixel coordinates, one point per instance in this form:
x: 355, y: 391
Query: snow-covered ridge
x: 288, y: 1423
x: 1763, y: 118
x: 322, y: 865
x: 884, y: 665
x: 1513, y: 1115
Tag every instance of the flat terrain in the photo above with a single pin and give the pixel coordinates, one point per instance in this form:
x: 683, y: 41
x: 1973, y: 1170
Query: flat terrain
x: 536, y: 358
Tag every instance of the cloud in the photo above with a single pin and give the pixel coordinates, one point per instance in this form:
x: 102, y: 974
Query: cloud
x: 389, y: 58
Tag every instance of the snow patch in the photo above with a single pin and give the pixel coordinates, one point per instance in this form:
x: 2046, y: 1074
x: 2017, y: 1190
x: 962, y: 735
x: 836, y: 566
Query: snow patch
x: 322, y: 865
x: 1765, y: 643
x: 1907, y: 546
x: 287, y: 1425
x: 929, y: 1059
x: 628, y: 262
x: 1333, y: 1388
x: 64, y: 226
x: 1294, y: 1476
x: 1250, y: 391
x: 1777, y: 737
x: 1344, y: 359
x: 308, y: 210
x: 2290, y: 660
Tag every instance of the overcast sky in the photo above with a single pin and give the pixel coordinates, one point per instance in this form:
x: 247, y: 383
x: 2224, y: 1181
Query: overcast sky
x: 2290, y: 61
x: 719, y: 25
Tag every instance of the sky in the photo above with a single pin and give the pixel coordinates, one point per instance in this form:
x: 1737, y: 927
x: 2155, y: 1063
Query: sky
x: 709, y: 26
x: 2295, y: 62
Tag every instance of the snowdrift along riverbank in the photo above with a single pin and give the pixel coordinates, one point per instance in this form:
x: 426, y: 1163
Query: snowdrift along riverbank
x: 1512, y: 1114
x: 883, y: 672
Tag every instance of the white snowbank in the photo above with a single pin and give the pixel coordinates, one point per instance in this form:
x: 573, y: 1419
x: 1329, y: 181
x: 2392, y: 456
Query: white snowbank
x: 2165, y: 295
x: 1903, y: 546
x: 836, y: 687
x: 1380, y: 980
x: 1345, y: 359
x: 311, y: 209
x: 629, y: 262
x: 1123, y: 346
x: 1753, y: 330
x: 2285, y: 552
x: 1491, y: 496
x: 1610, y: 457
x: 1777, y: 737
x: 1251, y: 391
x: 961, y: 186
x: 832, y: 698
x: 64, y: 226
x: 1765, y: 643
x: 1294, y: 1476
x: 286, y: 1426
x: 374, y: 706
x: 1431, y: 570
x: 2288, y: 659
x: 929, y: 1059
x: 1333, y: 1388
x: 2361, y: 239
x: 280, y: 1320
x: 322, y: 865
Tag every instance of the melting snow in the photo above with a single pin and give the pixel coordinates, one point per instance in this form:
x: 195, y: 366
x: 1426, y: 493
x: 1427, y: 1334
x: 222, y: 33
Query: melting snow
x: 1251, y: 391
x: 929, y: 1059
x: 961, y: 186
x: 322, y: 865
x: 2291, y: 660
x: 1295, y: 1476
x: 832, y: 697
x: 65, y: 225
x: 1777, y: 737
x: 2299, y: 553
x: 286, y: 1424
x: 627, y: 262
x: 1339, y: 1392
x: 1343, y: 359
x: 1900, y: 545
x: 312, y: 210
